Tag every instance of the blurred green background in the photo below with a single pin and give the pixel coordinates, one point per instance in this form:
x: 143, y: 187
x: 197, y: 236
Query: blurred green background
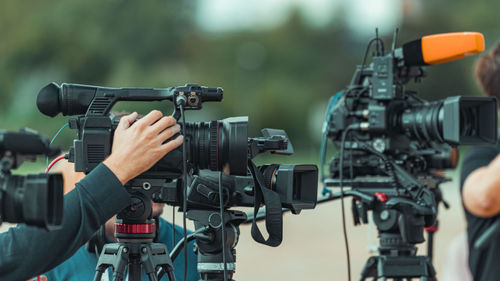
x: 278, y: 61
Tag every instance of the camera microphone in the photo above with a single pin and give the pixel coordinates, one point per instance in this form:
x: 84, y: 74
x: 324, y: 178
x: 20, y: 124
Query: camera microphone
x: 441, y: 48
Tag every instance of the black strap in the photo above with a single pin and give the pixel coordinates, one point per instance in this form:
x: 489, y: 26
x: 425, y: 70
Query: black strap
x: 274, y: 216
x: 97, y: 242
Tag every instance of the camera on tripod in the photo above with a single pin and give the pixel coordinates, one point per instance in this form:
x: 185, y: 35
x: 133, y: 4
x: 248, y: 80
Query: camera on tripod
x: 34, y: 199
x: 210, y: 145
x: 391, y: 142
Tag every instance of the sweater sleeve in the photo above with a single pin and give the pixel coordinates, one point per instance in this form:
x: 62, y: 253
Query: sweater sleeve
x: 27, y: 251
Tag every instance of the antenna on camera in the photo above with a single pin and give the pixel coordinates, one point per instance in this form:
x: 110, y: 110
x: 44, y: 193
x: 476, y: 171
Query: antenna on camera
x: 377, y: 40
x: 395, y: 38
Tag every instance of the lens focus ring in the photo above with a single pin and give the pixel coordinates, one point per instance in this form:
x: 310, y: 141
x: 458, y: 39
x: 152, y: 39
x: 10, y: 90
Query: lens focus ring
x: 214, y: 142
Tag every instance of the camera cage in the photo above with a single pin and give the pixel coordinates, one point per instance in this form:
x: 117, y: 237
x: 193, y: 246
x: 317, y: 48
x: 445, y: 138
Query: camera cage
x: 395, y: 143
x: 95, y: 128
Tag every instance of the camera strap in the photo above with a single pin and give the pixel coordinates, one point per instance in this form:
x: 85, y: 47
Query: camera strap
x: 274, y: 216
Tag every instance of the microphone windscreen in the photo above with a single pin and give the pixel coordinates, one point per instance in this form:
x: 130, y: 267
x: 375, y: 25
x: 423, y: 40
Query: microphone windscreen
x: 441, y: 48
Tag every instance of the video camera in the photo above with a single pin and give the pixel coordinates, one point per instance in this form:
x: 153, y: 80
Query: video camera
x: 391, y: 142
x: 383, y: 116
x: 34, y: 199
x: 209, y: 145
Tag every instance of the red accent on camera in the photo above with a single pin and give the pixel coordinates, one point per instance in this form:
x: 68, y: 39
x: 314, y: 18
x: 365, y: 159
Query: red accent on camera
x: 433, y: 228
x: 381, y: 196
x: 135, y: 228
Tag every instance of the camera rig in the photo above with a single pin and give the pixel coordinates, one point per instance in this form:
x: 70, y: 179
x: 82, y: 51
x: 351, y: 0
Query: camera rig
x: 178, y: 179
x: 391, y: 143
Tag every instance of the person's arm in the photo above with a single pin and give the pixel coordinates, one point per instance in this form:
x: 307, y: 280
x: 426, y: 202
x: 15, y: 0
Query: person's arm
x: 481, y: 185
x: 28, y: 251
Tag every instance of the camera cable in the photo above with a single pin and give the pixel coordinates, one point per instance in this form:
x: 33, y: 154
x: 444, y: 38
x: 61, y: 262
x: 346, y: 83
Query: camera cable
x: 57, y: 134
x: 173, y: 226
x: 53, y: 163
x: 221, y: 205
x: 184, y: 183
x: 199, y: 233
x: 368, y: 49
x: 341, y: 163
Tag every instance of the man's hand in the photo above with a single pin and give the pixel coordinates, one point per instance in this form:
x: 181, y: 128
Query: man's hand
x: 138, y: 146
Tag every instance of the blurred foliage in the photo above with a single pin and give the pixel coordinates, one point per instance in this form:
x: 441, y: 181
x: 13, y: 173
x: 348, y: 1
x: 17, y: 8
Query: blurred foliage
x: 280, y: 77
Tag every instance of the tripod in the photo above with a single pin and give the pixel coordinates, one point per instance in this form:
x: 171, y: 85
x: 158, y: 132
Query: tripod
x: 135, y: 231
x: 210, y: 247
x: 400, y: 221
x: 397, y: 259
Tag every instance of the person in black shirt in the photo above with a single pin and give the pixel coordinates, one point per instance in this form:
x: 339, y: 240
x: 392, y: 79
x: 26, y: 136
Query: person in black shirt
x: 28, y: 251
x: 480, y: 183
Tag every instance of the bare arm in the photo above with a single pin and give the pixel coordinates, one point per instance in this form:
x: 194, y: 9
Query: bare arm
x: 481, y: 190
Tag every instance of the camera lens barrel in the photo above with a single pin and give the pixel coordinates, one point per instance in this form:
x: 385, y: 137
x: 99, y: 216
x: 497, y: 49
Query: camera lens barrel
x: 424, y: 122
x: 33, y: 199
x: 214, y: 144
x: 454, y: 120
x: 296, y: 184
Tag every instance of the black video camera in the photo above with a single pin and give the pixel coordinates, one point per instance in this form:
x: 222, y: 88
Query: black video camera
x: 209, y: 145
x: 399, y: 138
x: 417, y: 134
x: 35, y: 199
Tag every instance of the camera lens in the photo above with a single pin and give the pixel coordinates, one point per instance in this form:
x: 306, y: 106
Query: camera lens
x: 33, y: 199
x: 210, y: 145
x: 468, y: 121
x: 424, y: 122
x: 217, y: 143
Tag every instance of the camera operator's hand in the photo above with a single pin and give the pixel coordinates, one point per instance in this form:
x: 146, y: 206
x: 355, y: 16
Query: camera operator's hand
x: 138, y: 146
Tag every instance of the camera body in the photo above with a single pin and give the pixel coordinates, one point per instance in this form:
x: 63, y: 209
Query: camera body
x: 415, y: 133
x: 392, y: 142
x: 209, y: 145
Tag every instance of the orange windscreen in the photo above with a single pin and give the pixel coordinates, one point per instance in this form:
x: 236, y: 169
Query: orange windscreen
x: 445, y: 47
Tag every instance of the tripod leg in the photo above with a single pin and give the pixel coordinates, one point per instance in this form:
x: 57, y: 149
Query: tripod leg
x: 134, y: 271
x: 154, y: 256
x: 170, y: 273
x: 152, y: 277
x: 120, y: 265
x: 99, y: 271
x: 147, y: 262
x: 369, y: 270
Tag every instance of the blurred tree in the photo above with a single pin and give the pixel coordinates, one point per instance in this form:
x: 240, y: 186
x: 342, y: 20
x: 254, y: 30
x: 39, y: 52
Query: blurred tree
x: 280, y: 77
